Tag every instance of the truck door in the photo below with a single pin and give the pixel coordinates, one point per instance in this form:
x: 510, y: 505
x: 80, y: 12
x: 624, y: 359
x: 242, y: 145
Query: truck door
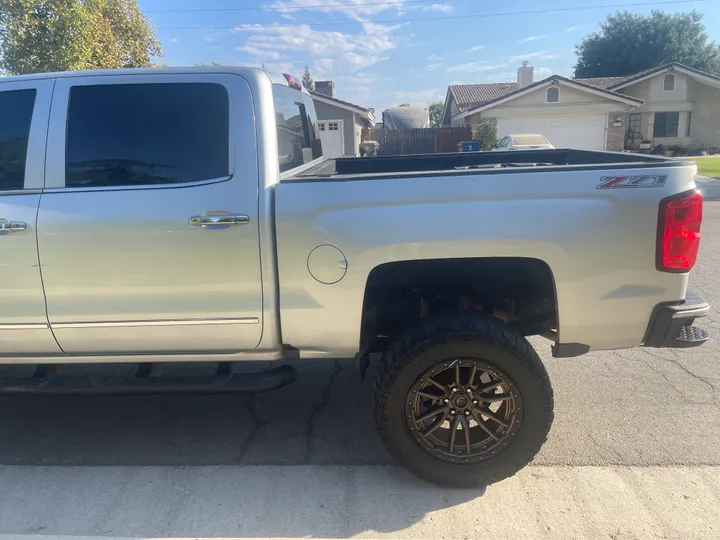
x: 148, y: 227
x: 24, y: 113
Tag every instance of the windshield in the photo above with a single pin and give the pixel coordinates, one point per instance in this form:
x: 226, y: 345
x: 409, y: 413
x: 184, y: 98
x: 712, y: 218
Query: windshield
x: 297, y: 131
x: 529, y: 140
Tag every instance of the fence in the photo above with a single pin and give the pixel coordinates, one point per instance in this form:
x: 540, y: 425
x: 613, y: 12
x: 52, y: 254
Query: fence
x: 394, y: 142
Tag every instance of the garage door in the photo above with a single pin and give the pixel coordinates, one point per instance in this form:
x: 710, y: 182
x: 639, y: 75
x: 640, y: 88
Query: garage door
x: 331, y: 135
x: 585, y: 132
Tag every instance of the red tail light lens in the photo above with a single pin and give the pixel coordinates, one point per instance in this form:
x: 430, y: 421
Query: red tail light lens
x: 293, y: 82
x: 679, y: 232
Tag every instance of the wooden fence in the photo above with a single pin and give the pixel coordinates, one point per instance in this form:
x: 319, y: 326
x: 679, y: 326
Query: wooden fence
x: 395, y: 142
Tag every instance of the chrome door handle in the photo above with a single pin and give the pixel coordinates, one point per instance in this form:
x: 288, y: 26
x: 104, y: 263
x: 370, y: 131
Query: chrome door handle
x: 13, y: 226
x: 217, y: 220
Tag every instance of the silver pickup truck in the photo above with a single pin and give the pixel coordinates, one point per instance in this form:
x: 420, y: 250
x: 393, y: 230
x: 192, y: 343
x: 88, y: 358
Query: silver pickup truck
x: 161, y: 229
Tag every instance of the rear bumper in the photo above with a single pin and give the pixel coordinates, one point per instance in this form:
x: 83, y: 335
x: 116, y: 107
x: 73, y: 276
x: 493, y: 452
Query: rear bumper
x: 671, y: 324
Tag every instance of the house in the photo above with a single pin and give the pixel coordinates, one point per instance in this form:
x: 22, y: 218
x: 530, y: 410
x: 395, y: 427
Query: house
x: 670, y: 105
x: 340, y: 122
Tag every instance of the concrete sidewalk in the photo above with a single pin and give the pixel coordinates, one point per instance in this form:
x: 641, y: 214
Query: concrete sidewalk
x: 362, y: 501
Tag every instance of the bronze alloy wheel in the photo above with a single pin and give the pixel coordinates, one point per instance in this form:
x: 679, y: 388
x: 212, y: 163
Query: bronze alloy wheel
x: 464, y: 410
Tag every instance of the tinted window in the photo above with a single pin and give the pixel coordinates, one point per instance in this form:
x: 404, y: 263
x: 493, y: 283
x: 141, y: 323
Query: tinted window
x: 16, y: 108
x: 140, y: 134
x: 297, y: 129
x: 666, y: 124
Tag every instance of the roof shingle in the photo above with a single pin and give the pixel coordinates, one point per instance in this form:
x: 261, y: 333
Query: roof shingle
x: 469, y: 96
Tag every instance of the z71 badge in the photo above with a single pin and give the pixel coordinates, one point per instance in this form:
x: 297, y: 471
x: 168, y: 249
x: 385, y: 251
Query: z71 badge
x: 640, y: 181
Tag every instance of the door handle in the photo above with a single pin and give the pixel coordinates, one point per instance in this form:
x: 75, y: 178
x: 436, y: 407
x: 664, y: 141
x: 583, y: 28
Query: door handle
x: 218, y: 220
x: 12, y: 226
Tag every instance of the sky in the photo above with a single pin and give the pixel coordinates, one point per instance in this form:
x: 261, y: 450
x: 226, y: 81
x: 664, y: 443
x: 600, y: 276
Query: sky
x: 381, y: 53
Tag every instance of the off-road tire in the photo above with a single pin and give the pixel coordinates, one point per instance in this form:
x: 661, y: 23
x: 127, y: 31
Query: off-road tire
x: 442, y: 338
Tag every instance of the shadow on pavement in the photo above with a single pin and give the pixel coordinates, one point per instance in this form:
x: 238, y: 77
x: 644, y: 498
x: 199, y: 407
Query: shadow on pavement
x: 322, y: 425
x: 324, y: 417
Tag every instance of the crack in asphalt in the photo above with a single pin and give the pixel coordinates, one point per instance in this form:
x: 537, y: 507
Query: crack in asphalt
x: 310, y: 446
x: 597, y: 445
x: 677, y: 363
x: 257, y: 425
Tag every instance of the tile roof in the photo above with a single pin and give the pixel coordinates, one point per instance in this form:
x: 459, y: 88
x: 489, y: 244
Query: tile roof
x: 601, y: 82
x: 470, y: 96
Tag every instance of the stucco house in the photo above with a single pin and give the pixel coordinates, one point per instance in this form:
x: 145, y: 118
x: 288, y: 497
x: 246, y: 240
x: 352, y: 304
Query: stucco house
x: 340, y: 122
x: 670, y: 105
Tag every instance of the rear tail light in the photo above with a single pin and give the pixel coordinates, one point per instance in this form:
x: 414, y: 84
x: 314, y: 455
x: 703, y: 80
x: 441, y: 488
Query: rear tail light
x: 293, y: 82
x: 679, y: 232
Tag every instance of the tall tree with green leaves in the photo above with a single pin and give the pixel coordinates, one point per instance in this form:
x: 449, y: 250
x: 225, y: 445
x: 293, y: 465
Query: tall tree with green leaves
x: 435, y: 110
x: 307, y: 80
x: 61, y: 35
x: 628, y: 43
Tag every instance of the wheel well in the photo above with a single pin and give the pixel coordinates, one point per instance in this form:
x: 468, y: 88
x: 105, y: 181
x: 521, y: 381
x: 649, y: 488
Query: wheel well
x: 518, y: 290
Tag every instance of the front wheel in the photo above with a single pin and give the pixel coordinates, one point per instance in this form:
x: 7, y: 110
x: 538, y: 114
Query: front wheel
x: 463, y: 400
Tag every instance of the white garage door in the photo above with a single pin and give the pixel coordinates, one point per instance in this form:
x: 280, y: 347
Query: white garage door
x: 584, y: 132
x: 331, y: 135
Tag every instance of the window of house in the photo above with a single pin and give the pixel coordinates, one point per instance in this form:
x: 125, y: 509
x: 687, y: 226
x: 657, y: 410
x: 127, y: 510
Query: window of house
x: 16, y: 110
x: 669, y: 82
x: 333, y: 126
x: 666, y: 124
x: 147, y: 134
x: 635, y: 123
x: 322, y: 126
x: 553, y: 95
x: 298, y: 133
x: 689, y: 121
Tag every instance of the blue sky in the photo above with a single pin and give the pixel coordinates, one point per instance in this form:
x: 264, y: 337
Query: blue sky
x: 378, y: 52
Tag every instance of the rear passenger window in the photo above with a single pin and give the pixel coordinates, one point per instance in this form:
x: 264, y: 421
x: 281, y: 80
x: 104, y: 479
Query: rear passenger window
x: 16, y: 109
x: 146, y: 134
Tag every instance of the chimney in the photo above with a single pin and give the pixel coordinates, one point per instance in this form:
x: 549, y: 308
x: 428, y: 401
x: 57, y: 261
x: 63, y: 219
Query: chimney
x: 525, y: 75
x: 325, y: 87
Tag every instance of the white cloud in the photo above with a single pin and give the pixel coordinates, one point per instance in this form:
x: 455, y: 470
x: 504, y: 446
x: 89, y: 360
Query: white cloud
x: 542, y: 71
x: 282, y: 67
x: 174, y: 40
x: 352, y: 51
x: 474, y: 67
x: 443, y: 8
x: 210, y: 39
x: 549, y: 57
x: 264, y: 54
x: 477, y: 48
x: 433, y: 67
x: 434, y: 57
x: 506, y: 76
x: 574, y: 28
x: 322, y: 67
x: 534, y: 38
x: 421, y: 97
x: 526, y: 56
x: 358, y: 10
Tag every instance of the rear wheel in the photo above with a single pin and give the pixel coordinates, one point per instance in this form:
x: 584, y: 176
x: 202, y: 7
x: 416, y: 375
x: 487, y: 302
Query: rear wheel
x: 463, y: 400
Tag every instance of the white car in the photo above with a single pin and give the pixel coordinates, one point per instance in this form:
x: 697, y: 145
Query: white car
x: 523, y: 142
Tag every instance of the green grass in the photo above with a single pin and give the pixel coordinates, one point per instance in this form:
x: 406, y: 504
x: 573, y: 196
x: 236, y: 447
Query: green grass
x: 708, y: 166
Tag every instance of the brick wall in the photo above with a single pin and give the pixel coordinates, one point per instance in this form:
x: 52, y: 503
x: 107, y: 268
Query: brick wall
x: 616, y: 135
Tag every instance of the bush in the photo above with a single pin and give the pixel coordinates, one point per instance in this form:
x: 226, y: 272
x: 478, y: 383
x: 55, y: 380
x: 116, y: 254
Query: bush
x: 487, y: 133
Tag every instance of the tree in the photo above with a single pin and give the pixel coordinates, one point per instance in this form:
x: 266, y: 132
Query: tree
x: 487, y: 133
x: 60, y: 35
x: 628, y: 43
x: 436, y: 110
x: 307, y: 80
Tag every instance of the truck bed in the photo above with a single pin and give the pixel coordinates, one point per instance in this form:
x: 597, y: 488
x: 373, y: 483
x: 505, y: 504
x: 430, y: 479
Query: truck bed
x: 475, y: 162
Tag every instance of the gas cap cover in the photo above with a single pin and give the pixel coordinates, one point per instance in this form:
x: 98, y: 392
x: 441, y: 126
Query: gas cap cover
x: 327, y: 264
